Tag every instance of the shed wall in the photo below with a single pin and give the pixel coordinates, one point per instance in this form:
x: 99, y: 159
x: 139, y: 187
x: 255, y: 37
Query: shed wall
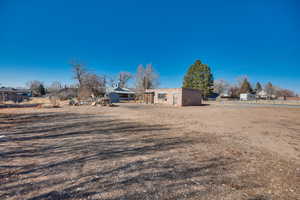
x: 173, y: 96
x: 177, y: 96
x: 191, y: 97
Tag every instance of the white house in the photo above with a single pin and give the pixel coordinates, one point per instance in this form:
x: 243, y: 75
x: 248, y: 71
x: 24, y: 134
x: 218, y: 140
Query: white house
x: 262, y: 94
x: 247, y: 97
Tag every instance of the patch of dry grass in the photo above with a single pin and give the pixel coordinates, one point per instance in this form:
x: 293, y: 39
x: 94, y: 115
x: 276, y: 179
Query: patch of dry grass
x: 140, y: 152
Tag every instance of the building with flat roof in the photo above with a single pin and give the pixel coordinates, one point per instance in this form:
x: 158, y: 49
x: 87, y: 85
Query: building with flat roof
x: 173, y: 96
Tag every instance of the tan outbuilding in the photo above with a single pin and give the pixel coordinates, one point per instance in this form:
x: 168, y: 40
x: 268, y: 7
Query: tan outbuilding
x: 173, y: 96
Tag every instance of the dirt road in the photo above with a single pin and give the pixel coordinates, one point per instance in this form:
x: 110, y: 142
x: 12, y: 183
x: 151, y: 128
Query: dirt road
x: 150, y: 152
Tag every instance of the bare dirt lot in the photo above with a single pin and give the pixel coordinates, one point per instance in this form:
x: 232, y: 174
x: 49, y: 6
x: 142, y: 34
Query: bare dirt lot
x: 150, y: 152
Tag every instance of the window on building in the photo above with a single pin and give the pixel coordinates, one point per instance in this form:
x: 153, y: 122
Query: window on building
x: 162, y: 96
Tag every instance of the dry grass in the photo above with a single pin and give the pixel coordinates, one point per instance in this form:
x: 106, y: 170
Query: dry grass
x: 39, y: 100
x: 150, y: 152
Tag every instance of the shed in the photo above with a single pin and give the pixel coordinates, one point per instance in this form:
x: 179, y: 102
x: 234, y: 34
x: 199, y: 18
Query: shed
x: 174, y: 96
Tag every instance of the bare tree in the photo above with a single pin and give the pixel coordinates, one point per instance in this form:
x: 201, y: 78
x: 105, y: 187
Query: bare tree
x: 234, y: 91
x: 270, y: 89
x: 79, y: 71
x: 151, y: 78
x: 89, y: 84
x: 37, y: 88
x: 146, y: 78
x: 221, y: 86
x: 55, y: 87
x: 139, y: 78
x: 284, y: 92
x: 123, y: 78
x: 111, y: 81
x: 94, y: 84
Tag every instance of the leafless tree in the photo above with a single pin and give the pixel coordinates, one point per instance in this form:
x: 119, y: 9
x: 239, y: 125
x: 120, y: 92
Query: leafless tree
x: 55, y: 87
x: 79, y: 72
x: 151, y: 78
x: 95, y: 83
x: 284, y: 92
x: 123, y: 78
x: 270, y: 89
x: 92, y: 85
x: 111, y: 81
x: 37, y: 88
x: 221, y: 86
x: 89, y: 84
x: 146, y: 78
x: 234, y: 91
x: 139, y: 78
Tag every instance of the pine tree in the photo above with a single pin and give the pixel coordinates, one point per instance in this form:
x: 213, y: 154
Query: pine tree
x: 199, y: 76
x: 258, y: 87
x: 246, y: 87
x: 42, y: 90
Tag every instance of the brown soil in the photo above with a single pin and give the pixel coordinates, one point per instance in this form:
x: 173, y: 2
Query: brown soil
x: 150, y: 152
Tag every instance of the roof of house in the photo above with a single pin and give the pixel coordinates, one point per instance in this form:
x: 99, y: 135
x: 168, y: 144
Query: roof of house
x: 120, y: 90
x: 262, y: 93
x: 10, y: 89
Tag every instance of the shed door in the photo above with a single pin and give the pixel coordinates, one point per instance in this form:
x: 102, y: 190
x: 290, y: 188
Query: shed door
x: 175, y: 99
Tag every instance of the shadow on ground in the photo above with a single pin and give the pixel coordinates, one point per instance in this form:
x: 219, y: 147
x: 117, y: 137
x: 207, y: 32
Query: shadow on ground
x: 18, y: 105
x: 79, y: 156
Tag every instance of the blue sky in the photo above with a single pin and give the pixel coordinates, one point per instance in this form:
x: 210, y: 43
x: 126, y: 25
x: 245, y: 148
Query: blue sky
x: 257, y: 38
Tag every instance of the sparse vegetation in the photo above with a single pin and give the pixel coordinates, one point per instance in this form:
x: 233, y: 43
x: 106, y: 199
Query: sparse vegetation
x: 139, y: 151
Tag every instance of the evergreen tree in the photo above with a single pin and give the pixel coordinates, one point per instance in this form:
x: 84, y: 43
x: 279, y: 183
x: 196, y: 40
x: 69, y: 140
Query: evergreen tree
x: 258, y: 87
x: 37, y: 88
x: 42, y: 90
x: 199, y: 76
x: 246, y: 87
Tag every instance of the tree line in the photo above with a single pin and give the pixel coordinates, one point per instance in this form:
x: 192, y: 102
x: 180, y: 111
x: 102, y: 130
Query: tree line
x: 198, y: 76
x: 89, y: 84
x: 243, y: 85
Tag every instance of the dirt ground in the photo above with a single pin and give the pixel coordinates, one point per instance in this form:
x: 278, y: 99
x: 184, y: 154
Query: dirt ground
x: 135, y: 151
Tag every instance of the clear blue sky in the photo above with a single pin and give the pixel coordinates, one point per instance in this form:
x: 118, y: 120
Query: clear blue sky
x: 258, y: 38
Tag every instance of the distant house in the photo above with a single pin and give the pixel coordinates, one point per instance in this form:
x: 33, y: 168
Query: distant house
x: 262, y: 94
x: 247, y: 97
x: 173, y: 96
x: 120, y: 94
x: 12, y: 94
